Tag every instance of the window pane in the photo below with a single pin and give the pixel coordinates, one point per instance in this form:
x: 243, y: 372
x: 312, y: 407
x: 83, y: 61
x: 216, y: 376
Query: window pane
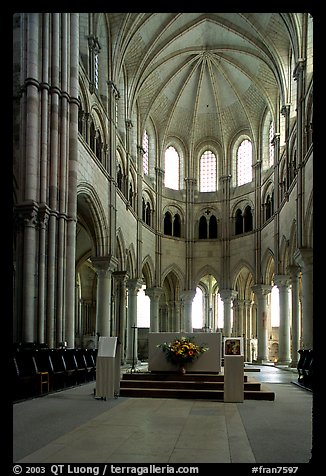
x: 172, y: 168
x: 208, y: 172
x: 145, y: 156
x: 244, y: 162
x: 271, y: 145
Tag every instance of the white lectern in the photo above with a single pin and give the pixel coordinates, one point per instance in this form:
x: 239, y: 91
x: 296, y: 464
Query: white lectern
x: 233, y: 378
x: 107, y: 369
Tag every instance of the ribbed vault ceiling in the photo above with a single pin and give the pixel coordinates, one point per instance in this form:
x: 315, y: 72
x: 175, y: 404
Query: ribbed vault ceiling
x: 202, y: 75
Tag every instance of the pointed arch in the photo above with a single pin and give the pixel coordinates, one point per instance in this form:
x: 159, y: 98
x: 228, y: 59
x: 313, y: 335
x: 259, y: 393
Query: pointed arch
x: 92, y: 216
x: 148, y: 271
x: 131, y: 262
x: 268, y: 266
x: 120, y: 250
x: 284, y: 255
x: 205, y: 270
x: 174, y: 269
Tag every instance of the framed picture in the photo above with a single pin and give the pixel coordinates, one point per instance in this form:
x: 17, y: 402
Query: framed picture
x: 233, y: 346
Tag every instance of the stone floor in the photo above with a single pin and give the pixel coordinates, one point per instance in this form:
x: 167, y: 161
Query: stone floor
x: 72, y: 426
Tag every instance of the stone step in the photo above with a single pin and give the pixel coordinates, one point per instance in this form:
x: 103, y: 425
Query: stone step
x: 136, y: 392
x: 182, y: 384
x: 169, y: 376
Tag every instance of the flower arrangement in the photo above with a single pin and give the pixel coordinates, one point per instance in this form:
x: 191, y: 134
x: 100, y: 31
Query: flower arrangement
x: 182, y: 350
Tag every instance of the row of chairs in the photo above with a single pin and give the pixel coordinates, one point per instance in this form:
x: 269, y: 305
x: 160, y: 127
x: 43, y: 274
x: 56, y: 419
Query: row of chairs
x: 305, y: 368
x: 39, y: 370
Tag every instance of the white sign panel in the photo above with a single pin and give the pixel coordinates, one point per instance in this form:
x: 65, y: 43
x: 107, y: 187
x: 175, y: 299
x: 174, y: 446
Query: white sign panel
x: 107, y: 346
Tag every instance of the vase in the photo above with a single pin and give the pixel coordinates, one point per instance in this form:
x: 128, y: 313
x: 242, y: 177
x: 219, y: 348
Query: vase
x: 182, y: 369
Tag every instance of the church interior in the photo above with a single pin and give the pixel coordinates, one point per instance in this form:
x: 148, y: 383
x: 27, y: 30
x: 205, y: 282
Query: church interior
x: 162, y: 183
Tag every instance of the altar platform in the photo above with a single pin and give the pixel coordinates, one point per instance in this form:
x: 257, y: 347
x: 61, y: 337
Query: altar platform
x: 191, y: 385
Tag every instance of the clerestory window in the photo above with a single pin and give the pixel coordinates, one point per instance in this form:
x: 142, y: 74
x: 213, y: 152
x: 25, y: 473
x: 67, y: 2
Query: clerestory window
x: 244, y: 162
x: 172, y: 168
x: 208, y: 172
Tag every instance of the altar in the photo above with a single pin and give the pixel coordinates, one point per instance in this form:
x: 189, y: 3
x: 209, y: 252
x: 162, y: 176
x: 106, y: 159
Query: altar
x: 209, y: 361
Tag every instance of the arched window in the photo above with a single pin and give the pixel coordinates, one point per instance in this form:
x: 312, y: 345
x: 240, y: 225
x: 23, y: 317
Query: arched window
x: 172, y: 168
x: 168, y: 224
x: 268, y: 207
x: 213, y: 227
x: 148, y: 214
x: 145, y: 153
x: 247, y: 218
x: 92, y: 134
x: 244, y: 162
x: 202, y: 228
x: 98, y: 146
x: 94, y: 49
x: 177, y: 225
x: 208, y: 172
x: 131, y: 195
x: 119, y: 177
x: 238, y: 222
x: 143, y: 209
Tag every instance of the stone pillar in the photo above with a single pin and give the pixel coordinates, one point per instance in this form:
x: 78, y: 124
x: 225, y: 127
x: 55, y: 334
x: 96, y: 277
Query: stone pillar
x: 133, y: 285
x: 121, y: 279
x: 43, y: 220
x: 304, y: 258
x: 248, y: 328
x: 227, y: 296
x: 103, y: 297
x: 187, y: 298
x: 154, y: 294
x: 28, y: 214
x: 296, y: 331
x: 177, y: 315
x: 283, y: 282
x: 261, y: 291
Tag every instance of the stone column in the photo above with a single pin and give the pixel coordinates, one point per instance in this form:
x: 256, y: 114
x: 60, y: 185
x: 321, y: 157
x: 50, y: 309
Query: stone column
x: 43, y: 221
x: 248, y: 327
x: 296, y: 331
x: 177, y: 315
x: 304, y: 258
x: 261, y: 291
x: 187, y: 298
x: 227, y: 296
x: 154, y: 294
x: 28, y: 214
x: 236, y: 315
x: 103, y: 296
x: 133, y: 286
x: 121, y: 307
x: 283, y: 282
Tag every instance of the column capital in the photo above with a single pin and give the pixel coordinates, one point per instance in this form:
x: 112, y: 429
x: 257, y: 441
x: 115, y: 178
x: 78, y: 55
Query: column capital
x: 261, y: 289
x: 154, y: 292
x: 303, y: 257
x: 228, y: 294
x: 282, y: 280
x: 134, y: 285
x: 187, y: 295
x: 120, y: 276
x: 293, y: 270
x: 104, y: 264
